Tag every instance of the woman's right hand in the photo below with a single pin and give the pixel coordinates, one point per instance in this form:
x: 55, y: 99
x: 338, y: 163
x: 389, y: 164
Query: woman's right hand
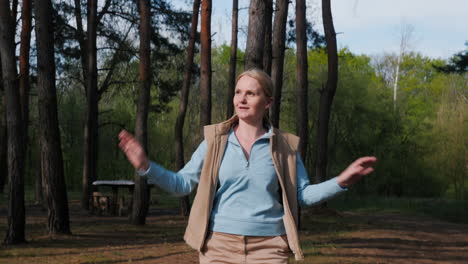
x: 133, y: 150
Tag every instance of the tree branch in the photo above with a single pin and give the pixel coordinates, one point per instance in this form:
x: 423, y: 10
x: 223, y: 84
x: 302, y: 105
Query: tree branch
x: 114, y: 61
x: 122, y: 126
x: 104, y: 11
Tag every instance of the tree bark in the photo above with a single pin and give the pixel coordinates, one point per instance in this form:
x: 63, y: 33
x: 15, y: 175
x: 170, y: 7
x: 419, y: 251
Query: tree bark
x: 24, y: 86
x: 90, y: 153
x: 24, y: 68
x: 141, y: 192
x: 267, y: 52
x: 279, y: 37
x: 256, y: 36
x: 3, y: 158
x: 38, y: 190
x: 301, y: 78
x: 179, y: 126
x: 3, y: 136
x: 326, y: 94
x: 302, y: 120
x: 3, y: 153
x: 16, y: 212
x: 205, y: 81
x: 53, y: 178
x: 14, y: 12
x: 232, y: 59
x: 80, y: 36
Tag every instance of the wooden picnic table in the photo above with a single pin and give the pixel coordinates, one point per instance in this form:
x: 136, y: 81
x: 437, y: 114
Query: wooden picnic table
x: 115, y: 204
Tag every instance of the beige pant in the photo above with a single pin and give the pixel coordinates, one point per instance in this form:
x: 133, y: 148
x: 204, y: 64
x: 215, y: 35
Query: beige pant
x: 222, y: 248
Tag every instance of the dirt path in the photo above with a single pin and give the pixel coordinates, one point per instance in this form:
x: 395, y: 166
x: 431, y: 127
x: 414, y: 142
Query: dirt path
x: 394, y: 238
x: 348, y: 238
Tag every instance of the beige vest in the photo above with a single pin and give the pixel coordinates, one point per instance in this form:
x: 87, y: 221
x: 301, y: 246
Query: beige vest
x: 283, y: 148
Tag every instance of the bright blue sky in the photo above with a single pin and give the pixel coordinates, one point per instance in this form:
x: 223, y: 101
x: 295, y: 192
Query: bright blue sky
x: 440, y: 28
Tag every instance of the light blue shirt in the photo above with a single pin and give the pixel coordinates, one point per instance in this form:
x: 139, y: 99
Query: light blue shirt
x: 247, y: 200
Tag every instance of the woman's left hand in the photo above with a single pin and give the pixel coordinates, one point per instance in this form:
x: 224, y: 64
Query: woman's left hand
x: 356, y: 171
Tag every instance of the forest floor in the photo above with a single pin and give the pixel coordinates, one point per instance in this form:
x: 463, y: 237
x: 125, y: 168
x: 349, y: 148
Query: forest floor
x: 344, y: 237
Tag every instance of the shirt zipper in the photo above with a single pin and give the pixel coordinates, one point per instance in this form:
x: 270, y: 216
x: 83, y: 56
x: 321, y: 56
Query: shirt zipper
x: 250, y: 152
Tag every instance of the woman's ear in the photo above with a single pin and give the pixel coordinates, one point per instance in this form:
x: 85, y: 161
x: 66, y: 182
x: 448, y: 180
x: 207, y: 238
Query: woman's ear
x: 269, y: 102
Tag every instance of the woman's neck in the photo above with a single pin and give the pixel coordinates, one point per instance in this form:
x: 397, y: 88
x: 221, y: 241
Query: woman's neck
x: 250, y: 131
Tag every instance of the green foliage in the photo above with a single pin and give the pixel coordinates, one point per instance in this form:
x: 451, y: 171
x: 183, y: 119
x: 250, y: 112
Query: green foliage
x: 448, y: 155
x: 71, y: 119
x: 457, y: 64
x: 314, y: 39
x: 420, y: 140
x: 364, y: 121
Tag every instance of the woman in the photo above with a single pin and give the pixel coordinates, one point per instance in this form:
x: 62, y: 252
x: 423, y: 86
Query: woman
x: 250, y: 182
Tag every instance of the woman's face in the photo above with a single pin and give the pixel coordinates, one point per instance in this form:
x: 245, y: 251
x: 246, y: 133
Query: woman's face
x: 250, y: 100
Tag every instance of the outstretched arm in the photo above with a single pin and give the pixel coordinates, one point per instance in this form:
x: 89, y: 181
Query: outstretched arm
x: 177, y: 183
x: 356, y: 171
x: 310, y: 194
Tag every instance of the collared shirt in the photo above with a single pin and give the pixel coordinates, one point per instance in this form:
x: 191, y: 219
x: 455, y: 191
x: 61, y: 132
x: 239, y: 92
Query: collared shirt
x: 247, y: 200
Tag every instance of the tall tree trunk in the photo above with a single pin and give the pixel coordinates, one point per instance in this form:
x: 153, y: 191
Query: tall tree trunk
x: 14, y: 12
x: 205, y: 82
x: 141, y: 192
x: 3, y: 136
x: 405, y: 37
x: 38, y: 190
x: 179, y: 126
x: 3, y: 153
x: 395, y: 82
x: 267, y: 52
x: 326, y: 94
x: 80, y: 36
x: 3, y: 157
x: 279, y: 37
x: 302, y: 120
x: 232, y: 59
x: 90, y: 153
x: 16, y: 213
x: 301, y: 78
x: 24, y: 68
x: 53, y: 178
x: 256, y: 35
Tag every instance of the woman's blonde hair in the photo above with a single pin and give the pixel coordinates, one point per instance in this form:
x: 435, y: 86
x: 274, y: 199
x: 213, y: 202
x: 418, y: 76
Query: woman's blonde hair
x: 267, y: 85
